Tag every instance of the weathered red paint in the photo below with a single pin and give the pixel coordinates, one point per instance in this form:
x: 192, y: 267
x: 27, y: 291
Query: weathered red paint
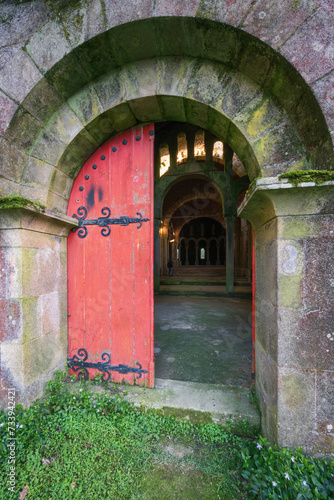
x: 110, y: 279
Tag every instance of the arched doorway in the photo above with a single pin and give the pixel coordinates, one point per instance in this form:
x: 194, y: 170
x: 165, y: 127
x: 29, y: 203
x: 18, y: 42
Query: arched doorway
x: 203, y: 332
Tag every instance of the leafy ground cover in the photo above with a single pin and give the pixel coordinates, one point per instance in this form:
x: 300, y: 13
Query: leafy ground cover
x: 78, y: 444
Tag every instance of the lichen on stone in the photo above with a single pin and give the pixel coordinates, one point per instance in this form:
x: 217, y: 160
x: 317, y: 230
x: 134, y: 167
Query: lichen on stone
x: 316, y: 176
x: 8, y: 202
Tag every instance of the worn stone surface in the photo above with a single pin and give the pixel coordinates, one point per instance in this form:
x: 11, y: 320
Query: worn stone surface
x: 324, y: 91
x: 18, y: 73
x: 310, y: 48
x: 33, y: 298
x: 13, y: 161
x: 7, y: 110
x: 48, y: 45
x: 296, y: 405
x: 233, y: 12
x: 275, y: 21
x: 19, y: 21
x: 300, y: 332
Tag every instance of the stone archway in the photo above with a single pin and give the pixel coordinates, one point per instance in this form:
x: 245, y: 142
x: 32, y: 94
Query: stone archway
x: 218, y: 78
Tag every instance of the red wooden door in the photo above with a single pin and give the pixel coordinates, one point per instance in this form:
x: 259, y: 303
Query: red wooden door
x: 110, y: 263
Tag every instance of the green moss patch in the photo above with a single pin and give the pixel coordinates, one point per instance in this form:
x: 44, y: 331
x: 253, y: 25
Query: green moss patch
x: 8, y: 202
x: 316, y: 176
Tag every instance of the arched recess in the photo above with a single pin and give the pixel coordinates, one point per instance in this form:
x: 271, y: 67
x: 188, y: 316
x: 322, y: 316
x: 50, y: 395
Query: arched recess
x: 206, y: 73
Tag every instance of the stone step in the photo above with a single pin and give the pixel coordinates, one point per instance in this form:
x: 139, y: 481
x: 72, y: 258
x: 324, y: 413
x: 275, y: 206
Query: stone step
x: 220, y: 402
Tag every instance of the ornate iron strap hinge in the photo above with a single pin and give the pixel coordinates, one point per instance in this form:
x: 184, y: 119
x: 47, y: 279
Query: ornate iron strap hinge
x: 76, y: 364
x: 104, y: 222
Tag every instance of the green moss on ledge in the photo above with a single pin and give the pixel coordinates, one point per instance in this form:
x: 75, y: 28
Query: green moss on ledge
x: 316, y: 176
x: 8, y: 202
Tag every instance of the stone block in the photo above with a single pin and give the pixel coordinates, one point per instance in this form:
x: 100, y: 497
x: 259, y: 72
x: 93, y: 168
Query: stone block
x: 18, y: 73
x: 207, y: 82
x: 68, y: 76
x: 31, y: 319
x: 35, y: 194
x: 8, y: 187
x: 323, y: 90
x: 11, y: 271
x: 83, y: 145
x: 101, y: 129
x: 173, y: 75
x: 310, y: 48
x: 244, y: 151
x: 120, y: 12
x: 318, y: 288
x: 43, y: 101
x: 306, y: 338
x: 13, y: 161
x: 121, y: 117
x: 86, y: 105
x: 110, y: 89
x: 231, y: 13
x: 20, y: 20
x: 290, y: 266
x: 99, y: 55
x: 57, y: 203
x: 61, y: 183
x: 218, y: 124
x: 7, y: 110
x: 50, y: 312
x: 296, y: 406
x: 280, y: 143
x: 70, y: 162
x: 37, y: 173
x: 266, y: 272
x: 10, y: 320
x: 173, y: 108
x: 33, y: 239
x: 175, y: 8
x: 41, y: 356
x: 140, y: 79
x: 258, y: 116
x: 137, y: 42
x: 23, y: 130
x: 236, y: 93
x: 275, y: 21
x: 146, y: 109
x: 266, y: 388
x: 48, y: 147
x: 10, y: 238
x: 303, y: 227
x: 268, y: 232
x: 325, y: 404
x: 196, y: 113
x: 42, y: 273
x: 266, y: 327
x: 48, y: 46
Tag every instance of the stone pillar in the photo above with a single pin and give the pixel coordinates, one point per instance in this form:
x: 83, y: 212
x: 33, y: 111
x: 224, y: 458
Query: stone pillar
x: 33, y: 299
x: 156, y: 255
x: 230, y: 253
x: 294, y: 239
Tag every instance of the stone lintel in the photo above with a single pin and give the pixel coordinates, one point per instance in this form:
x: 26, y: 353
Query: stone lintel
x: 272, y: 197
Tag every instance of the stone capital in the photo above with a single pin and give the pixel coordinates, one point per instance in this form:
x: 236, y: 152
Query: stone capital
x: 34, y: 218
x: 272, y: 197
